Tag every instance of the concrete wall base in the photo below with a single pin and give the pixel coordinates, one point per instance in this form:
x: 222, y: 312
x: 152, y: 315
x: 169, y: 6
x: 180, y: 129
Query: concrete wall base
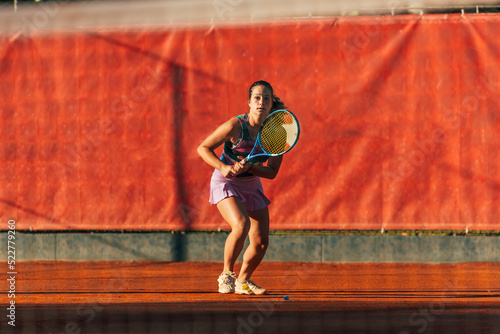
x: 206, y: 246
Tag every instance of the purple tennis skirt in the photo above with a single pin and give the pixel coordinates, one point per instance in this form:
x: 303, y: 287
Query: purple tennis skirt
x: 248, y: 189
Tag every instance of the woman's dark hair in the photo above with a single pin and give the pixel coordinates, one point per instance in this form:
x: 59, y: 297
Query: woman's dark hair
x: 277, y: 103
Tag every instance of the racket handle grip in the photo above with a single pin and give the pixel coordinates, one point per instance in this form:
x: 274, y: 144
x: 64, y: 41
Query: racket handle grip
x: 244, y: 160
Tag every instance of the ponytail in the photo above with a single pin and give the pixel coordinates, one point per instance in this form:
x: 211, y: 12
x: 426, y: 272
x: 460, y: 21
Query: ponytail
x: 277, y: 104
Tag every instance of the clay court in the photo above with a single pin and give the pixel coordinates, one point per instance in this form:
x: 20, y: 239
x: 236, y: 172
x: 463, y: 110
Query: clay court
x: 159, y: 297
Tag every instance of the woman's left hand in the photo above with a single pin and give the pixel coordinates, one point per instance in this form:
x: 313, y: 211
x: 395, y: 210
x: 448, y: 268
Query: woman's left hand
x: 242, y: 166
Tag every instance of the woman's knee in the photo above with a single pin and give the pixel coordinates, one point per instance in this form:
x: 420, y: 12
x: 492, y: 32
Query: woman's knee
x: 261, y: 245
x: 241, y: 227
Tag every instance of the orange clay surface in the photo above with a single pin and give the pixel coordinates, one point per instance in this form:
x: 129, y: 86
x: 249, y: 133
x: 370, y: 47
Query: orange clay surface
x: 160, y: 297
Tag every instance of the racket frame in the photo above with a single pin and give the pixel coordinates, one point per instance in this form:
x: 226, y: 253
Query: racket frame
x: 258, y: 143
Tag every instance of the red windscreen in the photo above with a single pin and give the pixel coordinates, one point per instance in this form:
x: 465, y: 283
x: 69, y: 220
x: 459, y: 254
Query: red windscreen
x: 399, y: 123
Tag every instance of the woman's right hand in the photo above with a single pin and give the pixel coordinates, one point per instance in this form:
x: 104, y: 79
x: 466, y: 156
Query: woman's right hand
x: 228, y: 171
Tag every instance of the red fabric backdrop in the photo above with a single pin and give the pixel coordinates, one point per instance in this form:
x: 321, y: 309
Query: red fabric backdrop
x: 399, y: 119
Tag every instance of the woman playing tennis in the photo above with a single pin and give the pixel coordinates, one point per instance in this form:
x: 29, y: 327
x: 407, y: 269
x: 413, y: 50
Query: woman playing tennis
x: 237, y: 191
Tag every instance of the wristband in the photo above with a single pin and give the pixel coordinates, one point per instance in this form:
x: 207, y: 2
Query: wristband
x: 251, y: 166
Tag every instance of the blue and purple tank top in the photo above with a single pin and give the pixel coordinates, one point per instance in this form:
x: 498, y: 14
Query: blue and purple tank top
x: 242, y: 147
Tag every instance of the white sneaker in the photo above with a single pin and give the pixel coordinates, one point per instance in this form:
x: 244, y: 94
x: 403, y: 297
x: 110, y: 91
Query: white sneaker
x: 226, y: 282
x: 249, y: 288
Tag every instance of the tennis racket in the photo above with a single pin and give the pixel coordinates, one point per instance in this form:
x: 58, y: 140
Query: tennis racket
x: 278, y: 134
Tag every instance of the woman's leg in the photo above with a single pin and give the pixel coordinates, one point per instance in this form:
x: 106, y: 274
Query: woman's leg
x: 233, y: 211
x: 259, y: 241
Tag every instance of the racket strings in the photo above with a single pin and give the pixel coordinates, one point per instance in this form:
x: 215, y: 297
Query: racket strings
x: 279, y: 133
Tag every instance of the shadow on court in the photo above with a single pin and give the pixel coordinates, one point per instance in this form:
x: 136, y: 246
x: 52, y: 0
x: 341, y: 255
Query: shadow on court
x: 153, y: 297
